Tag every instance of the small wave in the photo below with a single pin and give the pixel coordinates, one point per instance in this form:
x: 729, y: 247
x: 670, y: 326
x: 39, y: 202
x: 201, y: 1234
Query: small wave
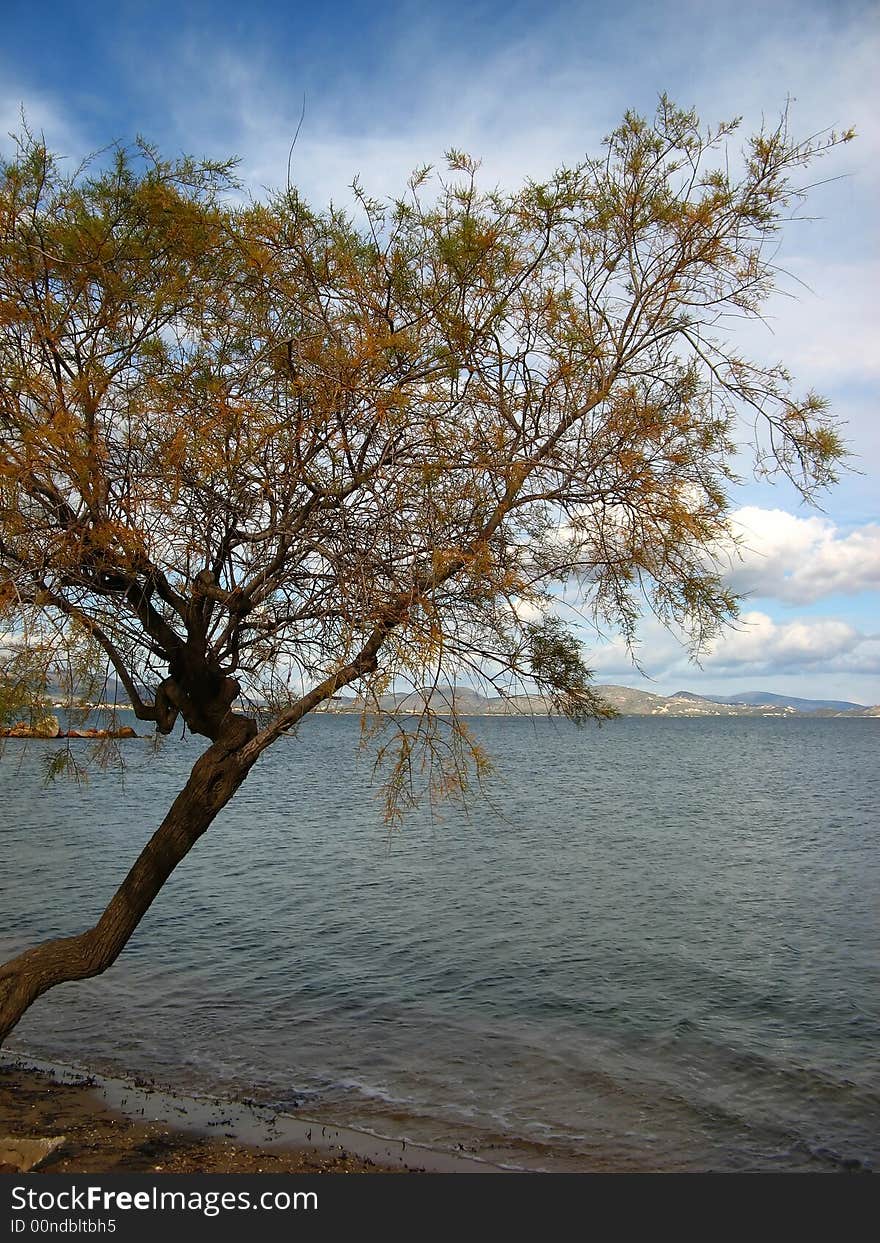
x: 369, y: 1091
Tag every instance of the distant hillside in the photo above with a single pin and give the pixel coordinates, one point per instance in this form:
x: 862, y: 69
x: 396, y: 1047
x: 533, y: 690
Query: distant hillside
x: 111, y: 691
x: 765, y: 698
x: 462, y: 699
x: 627, y: 701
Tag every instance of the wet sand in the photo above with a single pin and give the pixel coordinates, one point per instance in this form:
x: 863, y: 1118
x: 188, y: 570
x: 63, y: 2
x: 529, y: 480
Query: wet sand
x: 99, y: 1139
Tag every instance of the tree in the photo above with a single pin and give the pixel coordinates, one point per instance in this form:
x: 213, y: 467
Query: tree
x: 252, y: 454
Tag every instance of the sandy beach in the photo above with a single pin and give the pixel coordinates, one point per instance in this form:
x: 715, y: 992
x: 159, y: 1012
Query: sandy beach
x: 99, y: 1139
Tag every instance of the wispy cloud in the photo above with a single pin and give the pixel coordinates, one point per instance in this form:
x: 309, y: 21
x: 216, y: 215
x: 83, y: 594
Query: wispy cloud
x: 43, y: 114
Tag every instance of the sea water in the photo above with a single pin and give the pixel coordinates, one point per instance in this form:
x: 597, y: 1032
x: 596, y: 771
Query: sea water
x: 650, y: 946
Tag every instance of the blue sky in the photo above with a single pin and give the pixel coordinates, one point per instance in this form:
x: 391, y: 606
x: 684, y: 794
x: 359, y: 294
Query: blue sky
x: 527, y: 87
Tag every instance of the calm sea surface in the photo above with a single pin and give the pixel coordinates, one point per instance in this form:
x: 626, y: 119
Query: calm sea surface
x: 656, y: 948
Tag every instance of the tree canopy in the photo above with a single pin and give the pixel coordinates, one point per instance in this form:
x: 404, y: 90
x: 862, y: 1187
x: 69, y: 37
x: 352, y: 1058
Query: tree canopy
x: 252, y: 453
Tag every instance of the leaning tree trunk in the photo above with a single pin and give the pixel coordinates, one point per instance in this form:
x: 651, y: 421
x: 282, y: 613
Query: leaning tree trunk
x: 215, y: 777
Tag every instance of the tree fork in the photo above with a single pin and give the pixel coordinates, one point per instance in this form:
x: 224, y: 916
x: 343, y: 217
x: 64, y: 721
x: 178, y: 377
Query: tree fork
x: 214, y: 779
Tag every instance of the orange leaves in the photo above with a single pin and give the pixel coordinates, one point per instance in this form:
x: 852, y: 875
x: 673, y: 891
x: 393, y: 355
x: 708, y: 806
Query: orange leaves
x: 9, y: 597
x: 12, y: 312
x: 175, y: 450
x: 442, y: 559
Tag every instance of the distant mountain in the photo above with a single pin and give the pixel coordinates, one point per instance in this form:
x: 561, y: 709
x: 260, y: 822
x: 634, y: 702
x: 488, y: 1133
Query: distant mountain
x: 630, y: 702
x: 627, y: 701
x: 757, y: 699
x: 446, y: 699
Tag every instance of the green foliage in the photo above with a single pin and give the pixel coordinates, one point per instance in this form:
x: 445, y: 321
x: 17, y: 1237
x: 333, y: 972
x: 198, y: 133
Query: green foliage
x: 559, y: 671
x: 62, y: 762
x: 23, y: 683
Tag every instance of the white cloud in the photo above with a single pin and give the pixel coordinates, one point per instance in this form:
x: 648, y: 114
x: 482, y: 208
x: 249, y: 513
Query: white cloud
x: 757, y: 646
x: 492, y: 115
x: 800, y: 560
x: 527, y: 612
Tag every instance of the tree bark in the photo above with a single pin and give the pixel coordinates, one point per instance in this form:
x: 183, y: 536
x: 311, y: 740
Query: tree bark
x: 215, y: 777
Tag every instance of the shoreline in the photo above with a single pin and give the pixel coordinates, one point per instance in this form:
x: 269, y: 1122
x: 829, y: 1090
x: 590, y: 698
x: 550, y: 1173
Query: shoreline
x: 113, y: 1126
